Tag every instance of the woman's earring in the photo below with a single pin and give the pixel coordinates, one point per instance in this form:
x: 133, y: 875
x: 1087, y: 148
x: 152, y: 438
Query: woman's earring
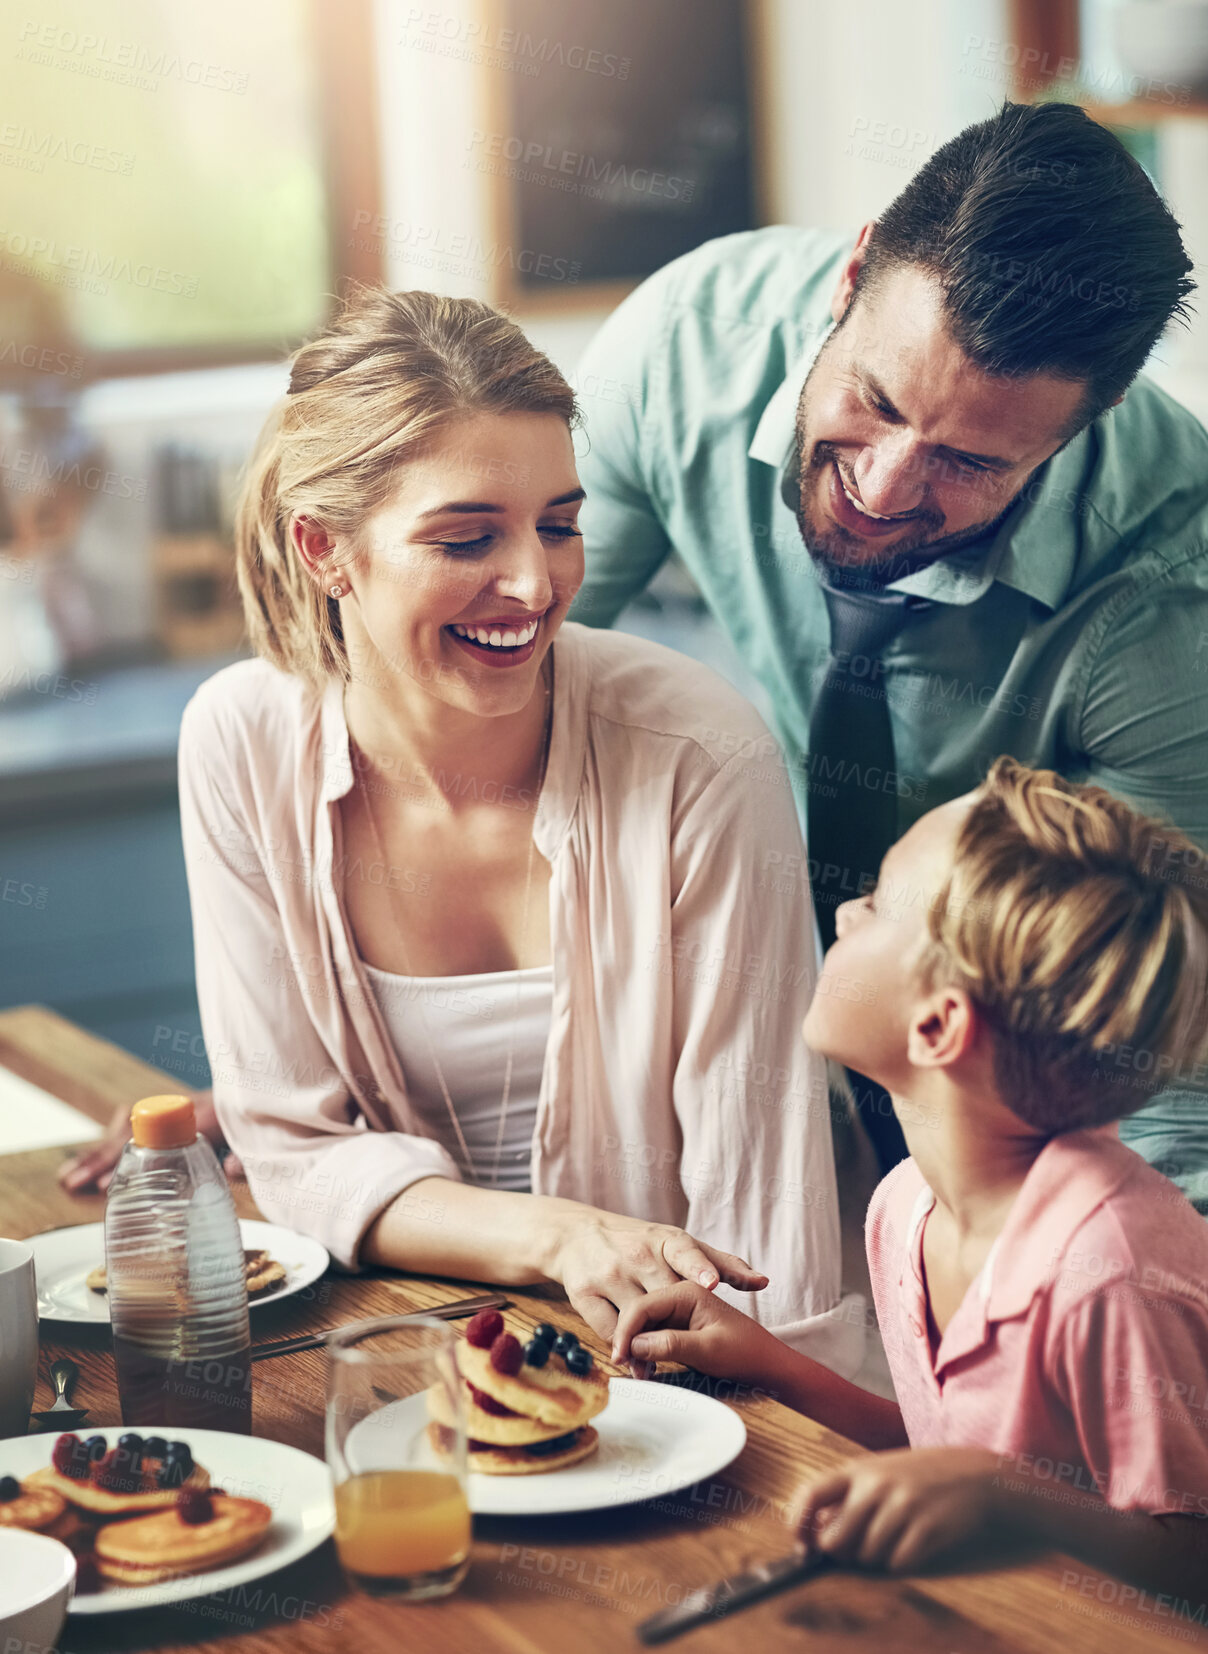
x: 336, y: 591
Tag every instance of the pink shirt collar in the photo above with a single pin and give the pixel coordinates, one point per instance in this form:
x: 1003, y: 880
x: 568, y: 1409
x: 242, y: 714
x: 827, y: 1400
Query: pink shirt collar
x: 1071, y: 1177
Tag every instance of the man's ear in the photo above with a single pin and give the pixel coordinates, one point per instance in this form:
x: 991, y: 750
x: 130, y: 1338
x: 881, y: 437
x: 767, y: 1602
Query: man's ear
x: 314, y: 546
x: 942, y: 1029
x: 846, y: 284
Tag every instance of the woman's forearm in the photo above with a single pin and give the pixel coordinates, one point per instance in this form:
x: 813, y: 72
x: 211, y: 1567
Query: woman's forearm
x: 441, y: 1227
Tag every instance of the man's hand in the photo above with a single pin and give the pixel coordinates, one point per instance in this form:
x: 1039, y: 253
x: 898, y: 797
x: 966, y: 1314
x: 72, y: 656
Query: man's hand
x: 686, y: 1323
x: 902, y: 1509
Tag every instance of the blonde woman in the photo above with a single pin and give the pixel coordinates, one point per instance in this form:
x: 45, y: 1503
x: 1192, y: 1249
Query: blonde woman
x: 495, y: 917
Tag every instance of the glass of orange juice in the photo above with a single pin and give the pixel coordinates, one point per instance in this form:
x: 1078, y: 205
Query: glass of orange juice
x: 402, y: 1513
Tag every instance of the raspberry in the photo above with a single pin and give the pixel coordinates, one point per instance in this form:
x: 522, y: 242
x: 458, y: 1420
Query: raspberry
x: 113, y: 1475
x: 484, y: 1328
x: 488, y: 1404
x: 194, y: 1506
x: 506, y: 1353
x: 69, y: 1459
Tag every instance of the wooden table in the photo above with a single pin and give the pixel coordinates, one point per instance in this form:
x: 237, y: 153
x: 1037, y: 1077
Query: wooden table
x: 566, y: 1584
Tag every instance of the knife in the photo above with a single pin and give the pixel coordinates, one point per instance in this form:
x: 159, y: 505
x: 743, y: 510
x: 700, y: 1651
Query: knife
x: 711, y: 1602
x: 443, y: 1312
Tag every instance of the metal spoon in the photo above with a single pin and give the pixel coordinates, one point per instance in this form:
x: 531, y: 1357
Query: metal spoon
x: 63, y: 1375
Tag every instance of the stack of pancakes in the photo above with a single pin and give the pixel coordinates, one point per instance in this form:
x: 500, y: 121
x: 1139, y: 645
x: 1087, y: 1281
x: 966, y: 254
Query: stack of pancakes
x: 519, y: 1423
x: 162, y: 1546
x: 141, y: 1536
x: 101, y: 1503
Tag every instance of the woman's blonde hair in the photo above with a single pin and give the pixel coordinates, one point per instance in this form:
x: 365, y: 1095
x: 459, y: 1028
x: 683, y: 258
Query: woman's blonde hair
x: 1079, y: 927
x: 391, y: 372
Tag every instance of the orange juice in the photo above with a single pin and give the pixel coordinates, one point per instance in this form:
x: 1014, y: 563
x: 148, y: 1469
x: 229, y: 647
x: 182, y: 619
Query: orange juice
x: 392, y: 1525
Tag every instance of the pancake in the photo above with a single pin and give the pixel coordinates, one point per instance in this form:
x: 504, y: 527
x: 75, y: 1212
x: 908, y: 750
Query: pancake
x: 163, y: 1546
x: 500, y: 1431
x: 551, y: 1393
x: 490, y: 1460
x: 35, y: 1508
x: 98, y: 1501
x: 263, y: 1276
x: 261, y: 1271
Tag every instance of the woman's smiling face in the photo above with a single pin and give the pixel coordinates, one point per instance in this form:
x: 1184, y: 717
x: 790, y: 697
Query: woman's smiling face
x: 462, y: 579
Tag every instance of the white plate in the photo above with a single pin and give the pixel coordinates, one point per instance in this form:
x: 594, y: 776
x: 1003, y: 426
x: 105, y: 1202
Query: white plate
x: 296, y: 1485
x: 63, y: 1257
x: 655, y: 1439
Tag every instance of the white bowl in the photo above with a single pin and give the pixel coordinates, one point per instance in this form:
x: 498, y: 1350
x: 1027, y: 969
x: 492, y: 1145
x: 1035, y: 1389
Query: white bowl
x: 36, y: 1576
x: 1165, y: 44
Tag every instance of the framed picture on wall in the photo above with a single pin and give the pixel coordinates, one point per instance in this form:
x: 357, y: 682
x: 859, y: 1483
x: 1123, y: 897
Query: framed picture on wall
x: 617, y: 135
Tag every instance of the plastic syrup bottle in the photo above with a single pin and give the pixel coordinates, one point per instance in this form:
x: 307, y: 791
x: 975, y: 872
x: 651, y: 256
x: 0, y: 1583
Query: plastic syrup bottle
x: 176, y: 1280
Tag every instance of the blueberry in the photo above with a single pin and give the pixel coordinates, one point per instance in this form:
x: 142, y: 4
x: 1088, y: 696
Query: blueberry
x: 177, y: 1465
x: 10, y: 1487
x: 130, y: 1443
x: 536, y: 1352
x: 96, y: 1448
x: 155, y: 1447
x: 578, y: 1361
x: 565, y: 1343
x: 545, y: 1332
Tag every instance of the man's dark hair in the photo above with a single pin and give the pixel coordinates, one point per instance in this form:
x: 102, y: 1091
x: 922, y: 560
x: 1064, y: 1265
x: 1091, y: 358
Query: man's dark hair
x: 1054, y: 251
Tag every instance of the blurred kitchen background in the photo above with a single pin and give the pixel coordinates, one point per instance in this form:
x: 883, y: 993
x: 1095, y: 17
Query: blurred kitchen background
x: 186, y: 188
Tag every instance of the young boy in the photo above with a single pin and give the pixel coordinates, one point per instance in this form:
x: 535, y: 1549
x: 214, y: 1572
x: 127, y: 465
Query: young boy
x: 1038, y: 957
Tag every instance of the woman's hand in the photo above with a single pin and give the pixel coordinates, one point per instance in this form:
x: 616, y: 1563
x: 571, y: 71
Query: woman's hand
x: 606, y: 1262
x: 93, y: 1169
x: 902, y: 1509
x: 686, y: 1323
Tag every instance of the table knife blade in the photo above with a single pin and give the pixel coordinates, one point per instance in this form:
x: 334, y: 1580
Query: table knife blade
x: 443, y: 1312
x: 710, y: 1602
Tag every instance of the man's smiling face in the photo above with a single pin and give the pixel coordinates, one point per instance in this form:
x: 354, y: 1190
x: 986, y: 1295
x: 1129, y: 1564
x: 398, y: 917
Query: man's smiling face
x: 895, y: 420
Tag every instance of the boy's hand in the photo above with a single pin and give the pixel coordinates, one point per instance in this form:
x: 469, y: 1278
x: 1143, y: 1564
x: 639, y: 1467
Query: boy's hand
x: 686, y: 1323
x: 902, y: 1509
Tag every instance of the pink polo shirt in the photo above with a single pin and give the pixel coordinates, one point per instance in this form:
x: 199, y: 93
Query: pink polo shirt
x: 1080, y: 1352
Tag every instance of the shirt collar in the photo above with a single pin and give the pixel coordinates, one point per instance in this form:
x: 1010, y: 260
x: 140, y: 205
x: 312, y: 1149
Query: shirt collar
x: 1071, y: 1177
x: 1069, y: 1180
x: 1034, y: 549
x: 774, y: 442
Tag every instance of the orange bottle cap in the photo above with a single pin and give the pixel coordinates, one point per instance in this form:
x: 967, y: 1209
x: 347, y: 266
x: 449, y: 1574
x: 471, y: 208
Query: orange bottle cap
x: 163, y: 1122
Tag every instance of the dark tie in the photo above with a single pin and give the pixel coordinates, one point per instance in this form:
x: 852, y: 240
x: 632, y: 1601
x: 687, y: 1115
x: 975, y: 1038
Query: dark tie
x: 852, y: 800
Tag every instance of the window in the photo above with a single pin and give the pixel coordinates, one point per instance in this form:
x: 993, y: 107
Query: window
x: 172, y: 177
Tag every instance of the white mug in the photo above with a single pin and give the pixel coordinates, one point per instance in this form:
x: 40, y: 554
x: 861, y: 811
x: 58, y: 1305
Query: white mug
x: 18, y: 1336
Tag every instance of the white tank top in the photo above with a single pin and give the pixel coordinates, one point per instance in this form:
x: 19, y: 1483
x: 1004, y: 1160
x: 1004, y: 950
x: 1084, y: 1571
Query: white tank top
x: 470, y: 1020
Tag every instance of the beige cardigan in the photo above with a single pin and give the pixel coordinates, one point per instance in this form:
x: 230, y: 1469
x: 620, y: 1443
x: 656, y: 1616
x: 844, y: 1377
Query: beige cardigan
x: 676, y: 1084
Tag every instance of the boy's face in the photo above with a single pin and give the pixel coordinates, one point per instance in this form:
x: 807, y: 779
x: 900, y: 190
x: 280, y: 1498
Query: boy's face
x: 869, y: 990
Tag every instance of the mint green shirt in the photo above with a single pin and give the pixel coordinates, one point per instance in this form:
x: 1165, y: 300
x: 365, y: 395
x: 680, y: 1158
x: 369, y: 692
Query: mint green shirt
x: 1073, y: 636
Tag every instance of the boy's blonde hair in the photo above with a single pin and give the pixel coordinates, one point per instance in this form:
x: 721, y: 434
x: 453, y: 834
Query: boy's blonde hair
x: 390, y: 373
x: 1080, y: 929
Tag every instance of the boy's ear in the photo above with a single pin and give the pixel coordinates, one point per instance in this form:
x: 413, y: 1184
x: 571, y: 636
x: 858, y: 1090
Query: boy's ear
x: 942, y: 1029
